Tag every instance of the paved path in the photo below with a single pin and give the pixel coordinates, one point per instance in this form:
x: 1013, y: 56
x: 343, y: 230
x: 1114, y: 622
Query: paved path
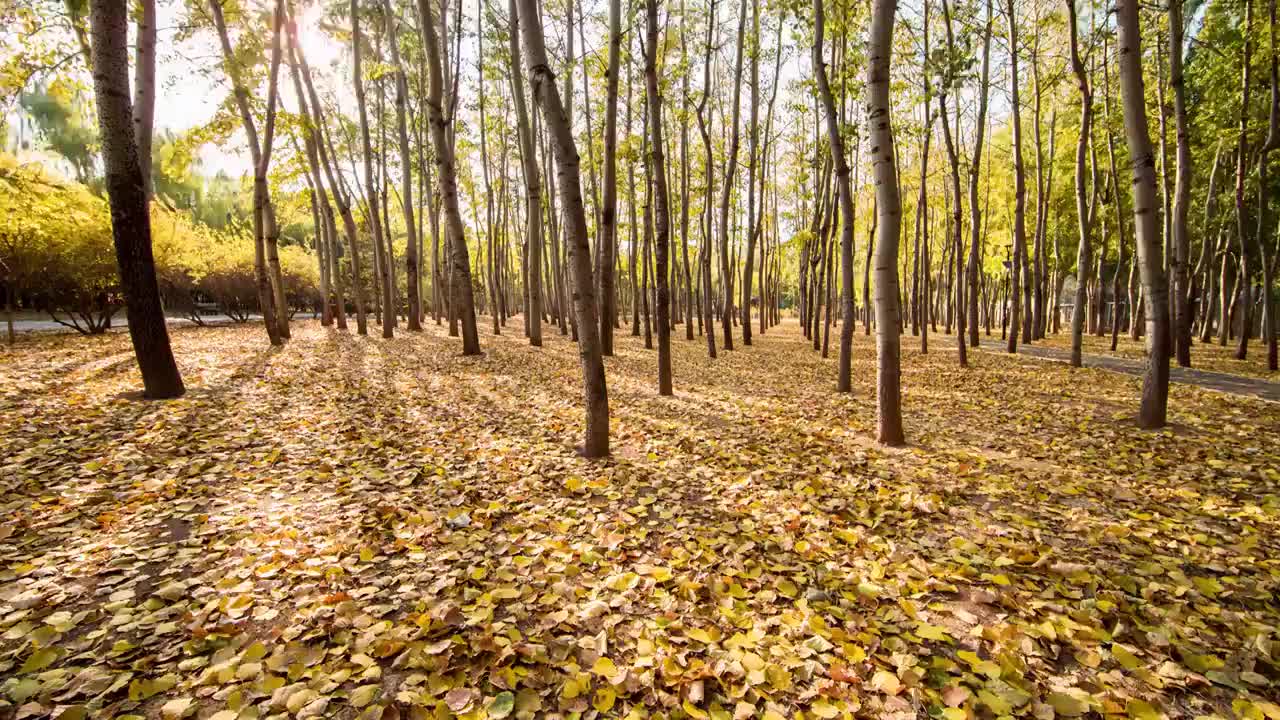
x: 119, y: 323
x: 1222, y: 382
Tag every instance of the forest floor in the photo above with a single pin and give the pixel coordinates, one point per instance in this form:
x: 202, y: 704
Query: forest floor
x: 353, y: 527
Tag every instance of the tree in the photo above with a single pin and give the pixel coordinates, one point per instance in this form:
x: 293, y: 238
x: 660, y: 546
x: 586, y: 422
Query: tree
x: 413, y: 282
x: 954, y: 240
x: 532, y: 184
x: 1155, y: 385
x: 1084, y: 208
x: 841, y: 164
x: 889, y: 212
x: 975, y: 215
x: 596, y: 442
x: 1182, y: 191
x: 606, y: 296
x: 1019, y: 192
x: 126, y: 190
x: 708, y: 175
x: 463, y: 300
x: 373, y: 216
x: 275, y: 310
x: 731, y: 165
x: 662, y: 211
x: 144, y: 88
x: 753, y: 160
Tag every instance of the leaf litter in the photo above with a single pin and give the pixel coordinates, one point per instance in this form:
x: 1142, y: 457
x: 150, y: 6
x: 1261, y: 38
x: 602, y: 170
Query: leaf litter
x: 350, y: 527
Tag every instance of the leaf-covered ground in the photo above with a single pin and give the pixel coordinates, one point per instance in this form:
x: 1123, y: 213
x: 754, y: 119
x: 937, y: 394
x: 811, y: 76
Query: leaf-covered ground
x: 352, y: 527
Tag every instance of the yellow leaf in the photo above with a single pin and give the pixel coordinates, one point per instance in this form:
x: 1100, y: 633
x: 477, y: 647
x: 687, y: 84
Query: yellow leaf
x: 604, y: 667
x: 1071, y: 702
x: 604, y: 699
x: 886, y: 682
x: 824, y: 709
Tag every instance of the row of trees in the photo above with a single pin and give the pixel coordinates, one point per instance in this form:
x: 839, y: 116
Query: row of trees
x: 537, y: 242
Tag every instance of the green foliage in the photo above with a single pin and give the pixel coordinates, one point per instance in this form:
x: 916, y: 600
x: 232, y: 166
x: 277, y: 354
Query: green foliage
x: 63, y: 123
x: 57, y: 246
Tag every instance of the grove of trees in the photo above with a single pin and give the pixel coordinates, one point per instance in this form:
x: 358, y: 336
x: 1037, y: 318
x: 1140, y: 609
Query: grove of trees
x: 452, y: 161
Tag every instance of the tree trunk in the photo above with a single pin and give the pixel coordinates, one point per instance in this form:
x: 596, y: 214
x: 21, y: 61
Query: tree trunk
x: 406, y: 174
x: 261, y: 196
x: 1017, y: 268
x: 127, y: 196
x: 596, y: 439
x: 371, y: 191
x: 533, y: 187
x: 1246, y: 320
x: 954, y: 236
x: 662, y: 212
x: 753, y: 159
x: 460, y: 274
x: 975, y: 215
x: 888, y: 368
x: 328, y: 161
x: 731, y: 164
x: 709, y: 180
x: 1182, y: 192
x: 841, y: 164
x: 1084, y: 207
x: 144, y: 89
x: 1155, y: 386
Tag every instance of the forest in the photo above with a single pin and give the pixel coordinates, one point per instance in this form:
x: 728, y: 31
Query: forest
x: 699, y: 359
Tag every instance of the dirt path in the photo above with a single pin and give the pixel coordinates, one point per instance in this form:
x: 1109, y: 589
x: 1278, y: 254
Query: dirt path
x: 1221, y: 382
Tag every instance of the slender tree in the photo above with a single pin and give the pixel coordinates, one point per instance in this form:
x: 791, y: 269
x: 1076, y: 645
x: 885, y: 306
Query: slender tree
x: 662, y: 211
x: 127, y: 198
x: 841, y: 164
x: 889, y: 212
x: 462, y: 300
x: 532, y: 183
x: 726, y: 193
x: 412, y: 281
x: 974, y: 268
x: 1155, y: 386
x: 596, y: 442
x: 1016, y: 278
x: 1084, y: 207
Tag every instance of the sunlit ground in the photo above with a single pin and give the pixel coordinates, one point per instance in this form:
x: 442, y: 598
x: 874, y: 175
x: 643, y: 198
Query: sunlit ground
x: 356, y: 527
